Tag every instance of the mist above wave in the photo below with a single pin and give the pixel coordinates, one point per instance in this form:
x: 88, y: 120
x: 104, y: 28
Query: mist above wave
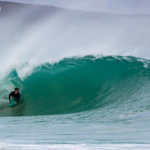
x: 39, y: 34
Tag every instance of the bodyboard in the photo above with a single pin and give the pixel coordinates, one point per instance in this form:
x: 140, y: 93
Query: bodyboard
x: 12, y: 102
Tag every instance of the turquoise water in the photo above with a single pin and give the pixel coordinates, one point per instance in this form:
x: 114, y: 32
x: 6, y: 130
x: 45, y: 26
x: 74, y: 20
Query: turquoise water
x: 79, y: 103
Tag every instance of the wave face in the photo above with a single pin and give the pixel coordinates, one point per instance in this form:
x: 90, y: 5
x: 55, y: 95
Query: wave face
x: 118, y: 84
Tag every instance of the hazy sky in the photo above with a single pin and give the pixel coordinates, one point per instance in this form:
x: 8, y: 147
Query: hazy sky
x: 111, y: 6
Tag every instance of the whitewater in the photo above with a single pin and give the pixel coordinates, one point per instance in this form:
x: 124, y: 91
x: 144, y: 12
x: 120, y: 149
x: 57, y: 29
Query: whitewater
x: 84, y: 79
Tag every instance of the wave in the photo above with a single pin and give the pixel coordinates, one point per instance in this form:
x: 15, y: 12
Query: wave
x: 78, y: 85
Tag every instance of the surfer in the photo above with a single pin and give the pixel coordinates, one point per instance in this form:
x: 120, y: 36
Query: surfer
x: 15, y: 94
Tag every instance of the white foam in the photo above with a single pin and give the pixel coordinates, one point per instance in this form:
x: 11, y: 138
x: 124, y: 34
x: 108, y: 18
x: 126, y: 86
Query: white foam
x: 75, y: 147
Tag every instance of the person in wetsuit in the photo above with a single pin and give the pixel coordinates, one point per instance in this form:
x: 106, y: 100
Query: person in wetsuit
x: 15, y: 94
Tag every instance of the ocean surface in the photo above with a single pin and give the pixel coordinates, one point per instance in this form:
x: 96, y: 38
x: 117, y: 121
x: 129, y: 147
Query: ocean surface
x: 79, y: 103
x: 84, y: 79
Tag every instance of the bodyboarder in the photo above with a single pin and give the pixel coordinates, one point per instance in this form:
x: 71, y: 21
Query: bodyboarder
x: 15, y: 95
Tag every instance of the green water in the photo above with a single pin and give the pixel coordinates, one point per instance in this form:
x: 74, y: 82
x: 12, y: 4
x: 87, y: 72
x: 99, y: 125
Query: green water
x: 81, y: 84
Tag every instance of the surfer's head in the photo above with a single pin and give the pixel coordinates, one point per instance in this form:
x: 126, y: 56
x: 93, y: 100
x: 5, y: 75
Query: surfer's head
x: 16, y: 90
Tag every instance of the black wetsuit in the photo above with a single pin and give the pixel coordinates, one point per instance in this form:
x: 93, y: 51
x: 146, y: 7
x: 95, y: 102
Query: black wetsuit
x: 16, y: 96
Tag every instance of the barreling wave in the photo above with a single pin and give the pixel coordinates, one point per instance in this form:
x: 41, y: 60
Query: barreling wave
x: 80, y: 84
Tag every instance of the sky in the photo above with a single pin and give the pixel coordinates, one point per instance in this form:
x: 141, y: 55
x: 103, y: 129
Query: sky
x: 108, y: 6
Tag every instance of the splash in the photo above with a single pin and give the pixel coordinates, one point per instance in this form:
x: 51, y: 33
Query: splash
x: 41, y: 34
